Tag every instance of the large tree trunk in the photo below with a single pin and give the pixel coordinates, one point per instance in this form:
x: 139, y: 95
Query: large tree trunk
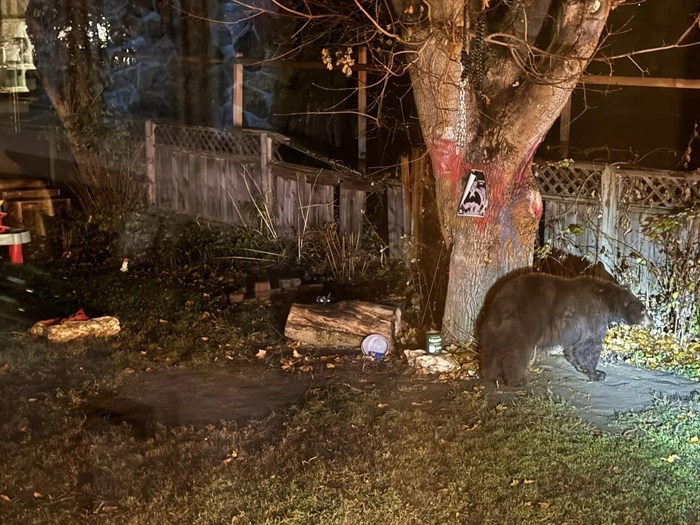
x: 508, y: 114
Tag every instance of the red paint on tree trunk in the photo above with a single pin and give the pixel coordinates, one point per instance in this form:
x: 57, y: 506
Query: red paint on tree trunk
x: 447, y: 159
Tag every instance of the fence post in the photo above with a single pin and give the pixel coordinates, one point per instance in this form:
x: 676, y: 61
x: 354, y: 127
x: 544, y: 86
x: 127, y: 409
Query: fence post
x: 395, y: 219
x: 151, y: 162
x: 237, y: 105
x: 52, y: 155
x: 266, y: 174
x: 362, y: 112
x: 609, y: 196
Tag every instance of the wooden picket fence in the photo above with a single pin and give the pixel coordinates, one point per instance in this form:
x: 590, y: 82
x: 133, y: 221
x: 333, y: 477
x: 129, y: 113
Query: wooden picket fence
x: 239, y: 177
x: 599, y: 211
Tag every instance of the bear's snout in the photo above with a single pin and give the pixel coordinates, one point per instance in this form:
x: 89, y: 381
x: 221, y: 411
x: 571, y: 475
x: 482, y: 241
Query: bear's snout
x: 646, y: 321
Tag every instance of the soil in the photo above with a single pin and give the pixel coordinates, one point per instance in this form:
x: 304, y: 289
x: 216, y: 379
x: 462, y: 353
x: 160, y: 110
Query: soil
x: 251, y: 392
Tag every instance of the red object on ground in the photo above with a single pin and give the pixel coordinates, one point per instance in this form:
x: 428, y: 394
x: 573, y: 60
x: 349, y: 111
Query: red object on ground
x: 14, y: 238
x: 80, y: 315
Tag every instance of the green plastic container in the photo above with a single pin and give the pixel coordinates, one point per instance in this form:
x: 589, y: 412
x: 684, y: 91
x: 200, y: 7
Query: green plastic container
x: 433, y: 342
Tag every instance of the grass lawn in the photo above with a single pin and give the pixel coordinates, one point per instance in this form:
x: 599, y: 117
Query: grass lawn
x: 397, y: 449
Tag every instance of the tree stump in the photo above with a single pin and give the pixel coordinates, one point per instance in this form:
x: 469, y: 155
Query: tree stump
x: 345, y: 323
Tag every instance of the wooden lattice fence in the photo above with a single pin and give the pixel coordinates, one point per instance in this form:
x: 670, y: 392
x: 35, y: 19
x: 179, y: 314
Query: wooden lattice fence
x: 599, y: 212
x: 239, y: 177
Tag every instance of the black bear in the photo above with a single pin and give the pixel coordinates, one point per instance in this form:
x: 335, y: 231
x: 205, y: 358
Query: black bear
x: 536, y: 310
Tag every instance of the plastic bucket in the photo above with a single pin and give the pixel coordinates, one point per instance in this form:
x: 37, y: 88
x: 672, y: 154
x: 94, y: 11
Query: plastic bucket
x: 375, y: 346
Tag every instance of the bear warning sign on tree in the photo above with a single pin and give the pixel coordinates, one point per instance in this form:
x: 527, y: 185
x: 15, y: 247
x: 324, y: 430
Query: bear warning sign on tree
x: 473, y: 202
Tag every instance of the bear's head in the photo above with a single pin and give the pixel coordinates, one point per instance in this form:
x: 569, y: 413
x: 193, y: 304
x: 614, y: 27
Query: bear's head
x: 624, y: 306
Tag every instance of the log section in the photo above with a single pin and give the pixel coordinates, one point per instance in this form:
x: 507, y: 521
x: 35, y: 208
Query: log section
x: 345, y: 323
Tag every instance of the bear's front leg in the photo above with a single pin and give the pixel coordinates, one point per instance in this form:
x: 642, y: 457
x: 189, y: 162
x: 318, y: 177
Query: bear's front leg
x: 584, y: 356
x: 597, y: 375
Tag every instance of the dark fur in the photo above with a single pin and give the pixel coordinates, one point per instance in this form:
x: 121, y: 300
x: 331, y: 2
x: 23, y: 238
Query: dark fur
x: 535, y: 310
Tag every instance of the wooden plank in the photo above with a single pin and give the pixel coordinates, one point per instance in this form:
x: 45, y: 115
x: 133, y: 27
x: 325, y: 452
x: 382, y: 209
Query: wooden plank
x: 321, y: 204
x: 351, y: 213
x: 14, y: 184
x: 227, y: 211
x: 323, y: 176
x: 31, y: 194
x: 237, y: 95
x: 609, y: 218
x: 163, y: 167
x: 215, y: 207
x: 150, y: 133
x: 362, y: 112
x: 605, y: 80
x: 288, y: 216
x: 181, y: 181
x: 394, y: 196
x: 196, y: 189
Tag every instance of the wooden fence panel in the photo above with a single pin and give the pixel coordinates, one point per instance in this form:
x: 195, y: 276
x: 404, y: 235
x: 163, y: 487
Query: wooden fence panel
x: 238, y: 177
x: 613, y: 208
x: 351, y: 213
x: 320, y: 203
x: 288, y: 216
x: 571, y: 227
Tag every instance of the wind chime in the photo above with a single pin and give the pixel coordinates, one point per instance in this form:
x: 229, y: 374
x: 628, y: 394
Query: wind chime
x: 474, y: 197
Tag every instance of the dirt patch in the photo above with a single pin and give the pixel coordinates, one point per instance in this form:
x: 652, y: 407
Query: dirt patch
x: 191, y: 397
x: 251, y: 392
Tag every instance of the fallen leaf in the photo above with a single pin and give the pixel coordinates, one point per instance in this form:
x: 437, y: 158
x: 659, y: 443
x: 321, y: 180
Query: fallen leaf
x: 296, y: 355
x: 544, y: 504
x: 527, y: 504
x: 162, y: 321
x: 330, y: 365
x: 261, y: 354
x: 672, y: 458
x: 4, y: 498
x: 515, y: 482
x: 382, y: 405
x: 233, y: 455
x: 528, y: 481
x: 204, y: 338
x: 38, y: 494
x: 31, y: 400
x: 693, y: 440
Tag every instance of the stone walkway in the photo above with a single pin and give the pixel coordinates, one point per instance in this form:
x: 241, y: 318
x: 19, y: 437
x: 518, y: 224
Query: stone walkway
x: 625, y: 389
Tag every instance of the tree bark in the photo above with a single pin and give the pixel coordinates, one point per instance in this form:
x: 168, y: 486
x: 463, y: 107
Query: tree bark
x: 507, y: 116
x: 345, y: 323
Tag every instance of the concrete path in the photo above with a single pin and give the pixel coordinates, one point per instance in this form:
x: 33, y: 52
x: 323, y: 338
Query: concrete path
x: 625, y: 389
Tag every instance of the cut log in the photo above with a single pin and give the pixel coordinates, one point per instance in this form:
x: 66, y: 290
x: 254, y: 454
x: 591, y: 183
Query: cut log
x: 68, y: 331
x: 345, y: 323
